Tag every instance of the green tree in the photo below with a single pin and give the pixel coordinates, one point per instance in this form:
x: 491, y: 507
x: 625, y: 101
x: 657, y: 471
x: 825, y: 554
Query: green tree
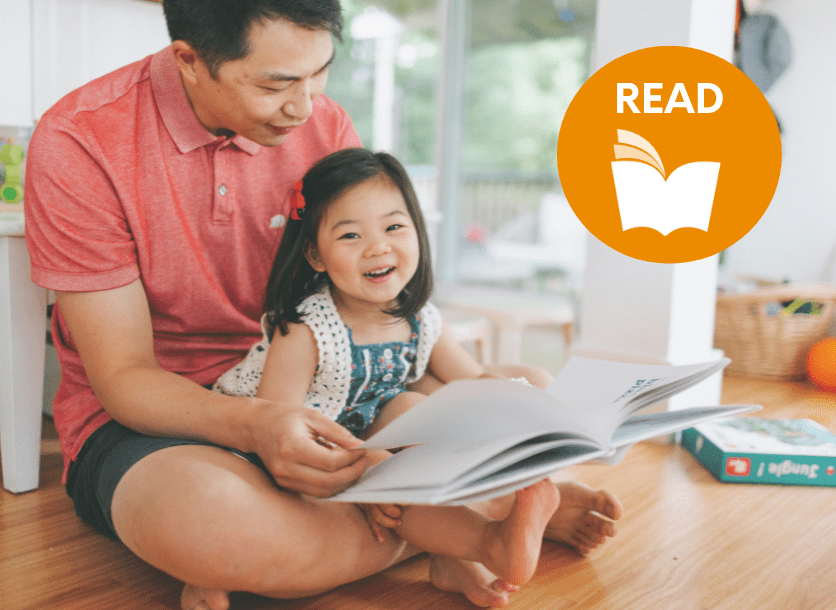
x: 516, y: 97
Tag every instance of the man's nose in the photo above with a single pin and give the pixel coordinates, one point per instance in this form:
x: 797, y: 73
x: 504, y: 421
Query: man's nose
x: 300, y: 104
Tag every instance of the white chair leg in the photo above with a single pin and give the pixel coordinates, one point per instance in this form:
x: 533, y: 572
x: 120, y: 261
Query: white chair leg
x: 22, y: 347
x: 467, y: 328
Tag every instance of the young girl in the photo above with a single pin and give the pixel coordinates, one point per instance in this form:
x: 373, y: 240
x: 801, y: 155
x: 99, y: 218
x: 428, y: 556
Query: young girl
x: 347, y: 326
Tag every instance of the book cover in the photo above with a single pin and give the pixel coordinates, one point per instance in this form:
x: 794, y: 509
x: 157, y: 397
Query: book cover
x: 758, y: 450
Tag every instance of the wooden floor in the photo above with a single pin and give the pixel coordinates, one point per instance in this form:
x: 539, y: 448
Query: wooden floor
x: 685, y: 542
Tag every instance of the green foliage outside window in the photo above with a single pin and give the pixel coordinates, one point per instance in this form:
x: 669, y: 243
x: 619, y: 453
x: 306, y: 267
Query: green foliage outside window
x: 516, y: 95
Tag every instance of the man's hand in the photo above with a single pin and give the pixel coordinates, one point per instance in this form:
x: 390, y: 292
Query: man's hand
x: 305, y: 451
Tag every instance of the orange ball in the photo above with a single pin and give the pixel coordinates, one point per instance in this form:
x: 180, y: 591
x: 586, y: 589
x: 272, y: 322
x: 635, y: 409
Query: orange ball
x: 821, y: 364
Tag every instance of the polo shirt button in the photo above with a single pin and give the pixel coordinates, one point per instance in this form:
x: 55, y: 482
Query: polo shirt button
x: 222, y: 190
x: 277, y: 222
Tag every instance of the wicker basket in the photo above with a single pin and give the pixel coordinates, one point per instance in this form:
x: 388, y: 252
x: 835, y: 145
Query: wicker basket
x: 762, y: 339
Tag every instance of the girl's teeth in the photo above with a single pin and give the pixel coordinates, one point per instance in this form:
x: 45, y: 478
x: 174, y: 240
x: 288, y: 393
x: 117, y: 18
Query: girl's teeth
x: 380, y: 273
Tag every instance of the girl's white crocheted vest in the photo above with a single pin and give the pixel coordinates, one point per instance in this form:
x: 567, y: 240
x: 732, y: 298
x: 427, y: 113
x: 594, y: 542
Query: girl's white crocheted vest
x: 328, y: 392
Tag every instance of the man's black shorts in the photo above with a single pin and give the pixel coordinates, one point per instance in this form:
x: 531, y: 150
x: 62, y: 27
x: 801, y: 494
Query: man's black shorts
x: 102, y: 462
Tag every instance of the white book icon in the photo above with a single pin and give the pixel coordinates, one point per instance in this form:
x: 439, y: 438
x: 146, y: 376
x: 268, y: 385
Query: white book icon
x: 647, y: 197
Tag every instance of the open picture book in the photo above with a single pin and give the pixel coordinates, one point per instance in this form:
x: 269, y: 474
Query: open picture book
x: 477, y: 439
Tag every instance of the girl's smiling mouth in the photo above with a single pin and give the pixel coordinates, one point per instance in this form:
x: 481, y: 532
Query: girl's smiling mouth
x: 379, y: 275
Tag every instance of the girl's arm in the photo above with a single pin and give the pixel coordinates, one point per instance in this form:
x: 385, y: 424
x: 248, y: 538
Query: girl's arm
x: 450, y: 361
x: 290, y: 365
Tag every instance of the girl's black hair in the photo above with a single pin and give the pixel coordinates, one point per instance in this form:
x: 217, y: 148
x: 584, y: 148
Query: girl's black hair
x: 219, y: 30
x: 292, y: 278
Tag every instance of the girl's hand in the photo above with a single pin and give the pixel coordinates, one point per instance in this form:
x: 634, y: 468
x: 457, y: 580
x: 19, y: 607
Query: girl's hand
x: 380, y: 517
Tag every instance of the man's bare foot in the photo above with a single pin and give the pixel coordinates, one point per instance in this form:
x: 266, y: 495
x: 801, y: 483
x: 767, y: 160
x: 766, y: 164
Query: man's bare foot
x: 511, y: 547
x: 471, y: 579
x: 197, y: 598
x: 584, y: 518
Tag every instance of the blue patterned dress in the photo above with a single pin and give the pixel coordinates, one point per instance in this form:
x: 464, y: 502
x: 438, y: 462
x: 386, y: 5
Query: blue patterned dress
x: 378, y: 374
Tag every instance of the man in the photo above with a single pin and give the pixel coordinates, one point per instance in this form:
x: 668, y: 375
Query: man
x: 155, y: 200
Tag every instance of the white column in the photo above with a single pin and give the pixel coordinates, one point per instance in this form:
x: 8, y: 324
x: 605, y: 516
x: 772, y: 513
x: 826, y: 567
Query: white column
x: 386, y: 31
x: 649, y: 312
x: 385, y: 117
x: 454, y: 17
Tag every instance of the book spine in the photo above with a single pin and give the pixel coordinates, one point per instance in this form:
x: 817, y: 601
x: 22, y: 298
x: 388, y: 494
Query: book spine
x: 708, y: 454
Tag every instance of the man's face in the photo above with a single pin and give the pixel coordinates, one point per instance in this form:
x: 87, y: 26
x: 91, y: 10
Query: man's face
x: 267, y: 93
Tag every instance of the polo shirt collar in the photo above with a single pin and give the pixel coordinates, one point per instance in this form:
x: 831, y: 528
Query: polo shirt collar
x: 178, y: 116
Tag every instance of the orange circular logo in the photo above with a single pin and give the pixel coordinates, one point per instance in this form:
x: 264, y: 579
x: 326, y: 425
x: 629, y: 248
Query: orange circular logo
x: 669, y: 154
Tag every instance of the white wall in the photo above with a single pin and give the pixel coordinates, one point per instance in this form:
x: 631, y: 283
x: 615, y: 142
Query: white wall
x: 798, y: 231
x: 15, y: 42
x: 75, y: 41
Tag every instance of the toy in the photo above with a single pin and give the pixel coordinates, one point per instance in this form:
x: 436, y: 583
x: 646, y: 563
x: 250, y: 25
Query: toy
x: 821, y: 364
x: 11, y: 155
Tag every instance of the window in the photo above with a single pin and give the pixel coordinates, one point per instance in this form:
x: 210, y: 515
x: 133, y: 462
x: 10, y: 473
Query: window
x: 524, y: 61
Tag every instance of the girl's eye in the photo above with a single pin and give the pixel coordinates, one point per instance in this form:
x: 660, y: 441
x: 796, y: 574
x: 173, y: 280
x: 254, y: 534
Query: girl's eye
x: 394, y: 227
x: 273, y: 90
x: 349, y: 236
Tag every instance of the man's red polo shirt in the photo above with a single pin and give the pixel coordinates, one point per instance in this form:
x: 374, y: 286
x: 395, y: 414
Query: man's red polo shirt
x: 123, y: 182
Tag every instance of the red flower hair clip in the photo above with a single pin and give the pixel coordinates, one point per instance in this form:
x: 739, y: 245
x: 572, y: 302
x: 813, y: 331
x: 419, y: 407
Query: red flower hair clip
x: 297, y: 201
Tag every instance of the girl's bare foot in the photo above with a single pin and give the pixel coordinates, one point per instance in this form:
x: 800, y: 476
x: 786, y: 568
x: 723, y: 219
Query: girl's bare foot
x: 512, y: 546
x: 197, y: 598
x: 584, y: 518
x: 471, y: 579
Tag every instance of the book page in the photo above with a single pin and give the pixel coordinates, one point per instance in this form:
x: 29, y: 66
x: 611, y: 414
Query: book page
x: 481, y: 409
x: 586, y: 399
x: 517, y: 457
x: 613, y: 390
x: 434, y: 464
x: 388, y: 484
x: 641, y: 427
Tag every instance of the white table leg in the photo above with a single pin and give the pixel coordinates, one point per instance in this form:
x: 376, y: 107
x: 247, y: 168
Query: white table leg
x: 22, y: 347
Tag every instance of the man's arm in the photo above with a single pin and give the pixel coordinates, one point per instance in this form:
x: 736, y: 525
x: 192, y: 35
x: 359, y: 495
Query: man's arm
x: 113, y: 334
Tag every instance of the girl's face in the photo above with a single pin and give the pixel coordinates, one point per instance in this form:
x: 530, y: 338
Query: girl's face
x: 368, y: 245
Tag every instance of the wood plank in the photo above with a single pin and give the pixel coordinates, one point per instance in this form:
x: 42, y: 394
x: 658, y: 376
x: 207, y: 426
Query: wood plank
x: 686, y: 541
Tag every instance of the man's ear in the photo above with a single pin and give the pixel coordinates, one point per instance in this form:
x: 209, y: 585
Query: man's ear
x: 188, y: 61
x: 313, y: 258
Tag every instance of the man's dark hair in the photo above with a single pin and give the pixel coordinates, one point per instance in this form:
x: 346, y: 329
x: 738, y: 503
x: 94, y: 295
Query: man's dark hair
x: 218, y: 30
